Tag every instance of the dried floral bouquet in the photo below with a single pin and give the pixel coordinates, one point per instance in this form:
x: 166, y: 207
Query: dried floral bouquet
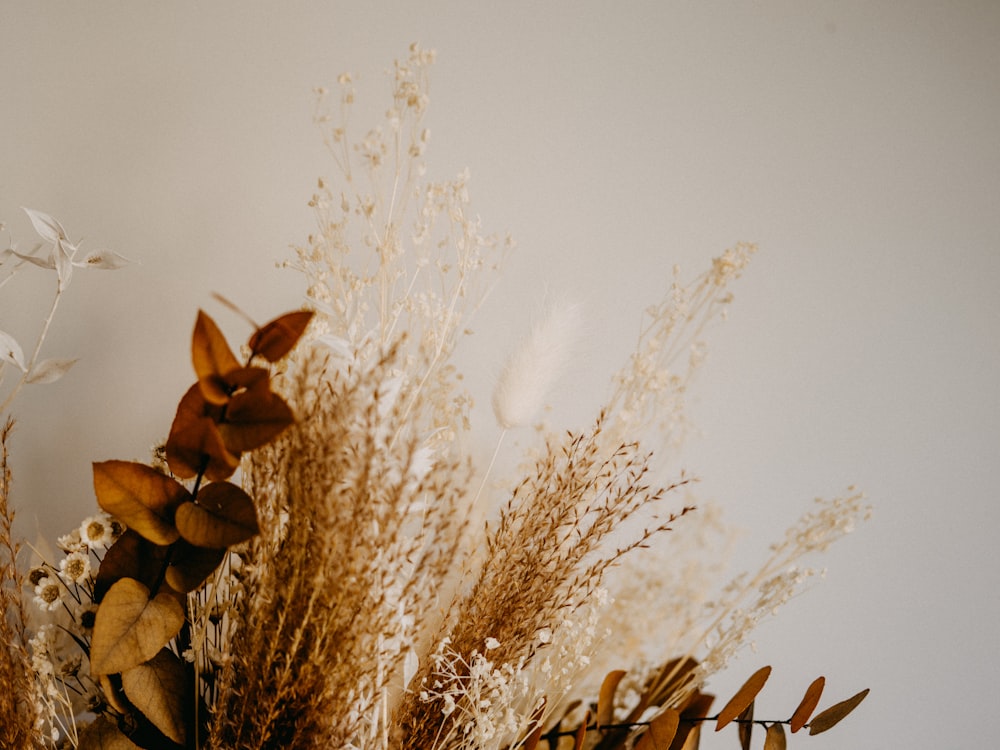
x: 360, y: 584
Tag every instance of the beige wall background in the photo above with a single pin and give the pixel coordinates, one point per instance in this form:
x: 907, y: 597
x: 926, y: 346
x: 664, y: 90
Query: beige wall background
x: 856, y: 142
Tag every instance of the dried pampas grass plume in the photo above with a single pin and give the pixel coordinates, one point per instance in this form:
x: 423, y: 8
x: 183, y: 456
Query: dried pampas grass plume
x: 534, y: 367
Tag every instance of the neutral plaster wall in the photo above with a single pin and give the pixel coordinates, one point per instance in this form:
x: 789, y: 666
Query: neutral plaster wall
x: 856, y: 142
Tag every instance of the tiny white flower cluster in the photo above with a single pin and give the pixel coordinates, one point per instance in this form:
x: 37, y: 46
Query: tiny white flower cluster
x: 484, y: 701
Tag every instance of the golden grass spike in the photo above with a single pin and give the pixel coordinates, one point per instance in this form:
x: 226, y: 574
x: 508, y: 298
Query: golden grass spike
x: 807, y: 705
x: 831, y: 716
x: 606, y: 698
x: 743, y: 698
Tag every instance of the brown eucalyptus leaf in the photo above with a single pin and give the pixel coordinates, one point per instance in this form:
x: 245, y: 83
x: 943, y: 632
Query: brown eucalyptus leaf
x: 221, y: 516
x: 606, y: 697
x: 275, y: 339
x: 158, y: 689
x: 689, y: 740
x: 807, y: 704
x: 832, y: 716
x: 141, y: 497
x: 102, y: 734
x: 190, y: 565
x: 775, y: 738
x: 213, y: 359
x: 130, y: 556
x: 743, y: 698
x: 661, y: 731
x: 195, y: 443
x: 254, y: 417
x: 130, y: 628
x: 744, y: 730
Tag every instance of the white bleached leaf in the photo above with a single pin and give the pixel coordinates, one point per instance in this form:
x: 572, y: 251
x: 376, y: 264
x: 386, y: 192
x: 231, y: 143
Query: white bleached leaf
x: 10, y: 351
x: 48, y: 228
x: 106, y: 260
x: 50, y: 370
x: 41, y: 262
x: 64, y: 262
x: 410, y: 664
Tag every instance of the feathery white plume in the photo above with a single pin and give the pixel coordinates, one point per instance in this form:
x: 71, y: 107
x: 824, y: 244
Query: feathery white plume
x: 535, y: 366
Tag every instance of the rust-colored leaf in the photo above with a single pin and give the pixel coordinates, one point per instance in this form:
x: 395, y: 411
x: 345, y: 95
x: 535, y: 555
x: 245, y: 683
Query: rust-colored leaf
x: 606, y: 698
x: 254, y: 418
x: 195, y: 443
x: 130, y: 628
x: 190, y: 565
x: 535, y: 737
x: 275, y: 339
x: 581, y: 732
x: 689, y: 740
x: 158, y: 689
x: 661, y: 731
x: 102, y: 734
x: 833, y: 715
x: 744, y: 729
x: 743, y: 698
x: 213, y: 359
x: 221, y: 516
x: 807, y: 705
x: 143, y: 498
x: 130, y: 556
x: 775, y: 737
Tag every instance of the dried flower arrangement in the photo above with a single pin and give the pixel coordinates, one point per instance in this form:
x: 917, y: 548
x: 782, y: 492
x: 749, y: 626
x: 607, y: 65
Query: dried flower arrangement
x: 356, y: 587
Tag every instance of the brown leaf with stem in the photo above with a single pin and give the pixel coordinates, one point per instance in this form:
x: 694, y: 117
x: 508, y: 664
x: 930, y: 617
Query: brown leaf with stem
x: 221, y: 516
x: 130, y: 556
x: 743, y: 698
x: 102, y: 734
x: 212, y: 358
x: 807, y: 704
x: 195, y: 443
x: 834, y: 714
x: 190, y: 565
x: 254, y: 417
x: 606, y: 697
x: 661, y: 731
x: 130, y: 628
x: 158, y: 689
x: 141, y: 497
x: 775, y: 737
x: 275, y: 339
x: 744, y: 729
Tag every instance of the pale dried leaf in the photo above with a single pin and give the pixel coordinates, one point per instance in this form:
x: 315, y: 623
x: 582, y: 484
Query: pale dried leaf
x: 10, y: 351
x: 50, y: 370
x: 105, y: 260
x: 47, y: 227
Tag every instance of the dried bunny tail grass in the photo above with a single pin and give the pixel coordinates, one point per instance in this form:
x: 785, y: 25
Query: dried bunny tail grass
x: 533, y: 368
x: 19, y: 713
x: 545, y: 556
x: 360, y: 529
